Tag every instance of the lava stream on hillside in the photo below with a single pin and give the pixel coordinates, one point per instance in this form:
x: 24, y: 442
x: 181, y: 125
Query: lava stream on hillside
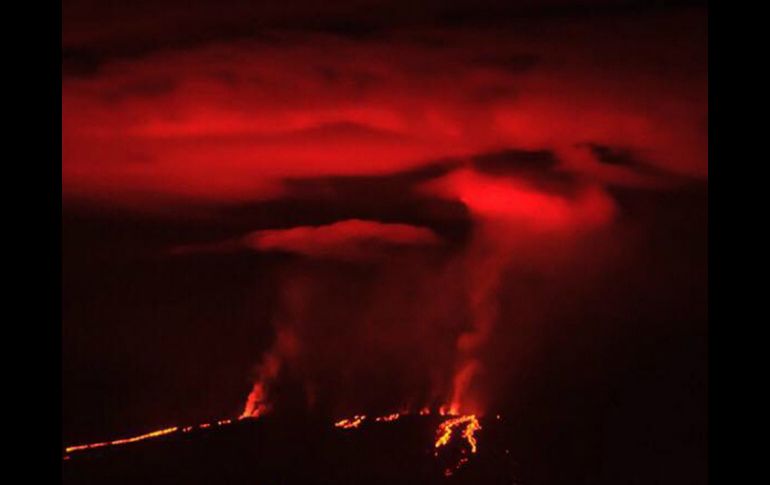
x: 374, y: 439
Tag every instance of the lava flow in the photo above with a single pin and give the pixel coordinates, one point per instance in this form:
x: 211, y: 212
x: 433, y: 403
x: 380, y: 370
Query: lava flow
x: 145, y: 436
x: 353, y: 422
x: 468, y: 422
x: 443, y: 433
x: 388, y: 418
x: 123, y: 441
x: 445, y: 429
x: 448, y: 428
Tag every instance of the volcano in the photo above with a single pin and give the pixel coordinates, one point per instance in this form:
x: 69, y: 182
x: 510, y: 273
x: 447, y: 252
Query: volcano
x: 382, y: 242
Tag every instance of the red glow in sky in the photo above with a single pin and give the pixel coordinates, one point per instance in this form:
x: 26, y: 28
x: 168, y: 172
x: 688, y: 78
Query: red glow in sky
x: 231, y: 121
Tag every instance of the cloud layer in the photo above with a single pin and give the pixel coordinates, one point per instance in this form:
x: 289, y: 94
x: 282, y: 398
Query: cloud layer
x: 231, y: 121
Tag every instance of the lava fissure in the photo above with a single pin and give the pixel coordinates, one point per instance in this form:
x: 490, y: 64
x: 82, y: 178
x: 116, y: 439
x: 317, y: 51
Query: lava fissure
x: 353, y: 422
x: 445, y: 431
x: 145, y: 436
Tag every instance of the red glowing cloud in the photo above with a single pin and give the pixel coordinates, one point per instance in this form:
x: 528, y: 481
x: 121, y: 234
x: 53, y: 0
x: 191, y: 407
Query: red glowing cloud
x: 517, y: 202
x: 231, y: 121
x: 350, y: 239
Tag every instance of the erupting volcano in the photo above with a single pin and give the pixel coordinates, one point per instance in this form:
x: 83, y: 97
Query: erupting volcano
x: 421, y: 244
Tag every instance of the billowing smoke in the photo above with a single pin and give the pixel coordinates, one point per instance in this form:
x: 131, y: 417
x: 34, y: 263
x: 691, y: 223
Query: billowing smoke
x: 403, y: 330
x: 511, y: 218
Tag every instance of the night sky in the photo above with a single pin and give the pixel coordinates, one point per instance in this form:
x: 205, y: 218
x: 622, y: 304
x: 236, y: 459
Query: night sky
x: 380, y: 205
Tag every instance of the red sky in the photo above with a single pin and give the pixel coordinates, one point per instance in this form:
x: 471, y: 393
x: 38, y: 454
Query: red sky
x: 230, y: 120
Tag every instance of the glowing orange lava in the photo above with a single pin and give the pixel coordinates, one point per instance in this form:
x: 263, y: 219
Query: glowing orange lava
x: 445, y: 429
x: 123, y: 441
x: 353, y: 422
x: 388, y: 418
x: 256, y: 404
x: 469, y: 433
x: 152, y: 434
x: 446, y: 410
x: 468, y: 422
x: 444, y: 436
